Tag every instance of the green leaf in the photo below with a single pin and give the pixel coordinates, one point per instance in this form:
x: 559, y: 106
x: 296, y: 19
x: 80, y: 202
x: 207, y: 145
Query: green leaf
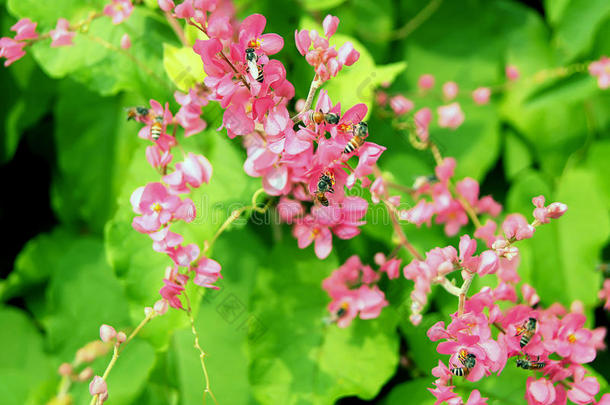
x: 297, y: 360
x: 24, y: 366
x: 37, y: 261
x: 517, y: 155
x: 566, y: 271
x: 96, y: 58
x: 597, y: 162
x: 83, y: 294
x: 575, y: 23
x: 317, y: 5
x: 91, y: 144
x: 183, y: 66
x: 228, y: 311
x: 413, y: 392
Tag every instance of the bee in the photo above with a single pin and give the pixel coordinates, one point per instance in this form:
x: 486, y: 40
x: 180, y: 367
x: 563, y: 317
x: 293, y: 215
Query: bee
x: 136, y: 113
x: 468, y: 360
x: 319, y: 117
x: 527, y: 364
x: 526, y: 331
x: 253, y: 68
x: 156, y: 128
x: 325, y: 185
x: 360, y: 131
x: 421, y: 181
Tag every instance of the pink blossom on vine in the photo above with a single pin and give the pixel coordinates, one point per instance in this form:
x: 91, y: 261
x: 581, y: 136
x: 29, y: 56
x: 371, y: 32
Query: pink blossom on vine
x: 125, y: 41
x: 166, y: 5
x: 475, y: 398
x: 193, y: 171
x: 450, y: 90
x: 207, y: 273
x: 601, y: 70
x: 164, y: 240
x: 173, y: 286
x: 583, y: 389
x: 119, y: 10
x: 529, y: 295
x: 390, y: 266
x: 25, y: 29
x: 425, y: 82
x: 516, y: 227
x: 107, y: 333
x: 572, y: 341
x: 189, y: 115
x: 481, y: 95
x: 61, y: 35
x: 289, y: 209
x: 155, y: 205
x: 157, y: 157
x: 401, y: 105
x: 450, y: 116
x: 183, y: 256
x: 512, y: 73
x: 251, y: 36
x: 544, y: 214
x: 604, y: 294
x: 11, y: 50
x: 540, y: 392
x: 98, y: 387
x: 326, y: 60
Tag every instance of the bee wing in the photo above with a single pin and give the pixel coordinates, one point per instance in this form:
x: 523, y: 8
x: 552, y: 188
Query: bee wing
x: 253, y: 69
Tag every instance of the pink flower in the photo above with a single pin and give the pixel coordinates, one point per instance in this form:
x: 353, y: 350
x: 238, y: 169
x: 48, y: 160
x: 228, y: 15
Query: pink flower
x: 207, y: 272
x: 539, y: 392
x: 125, y: 42
x: 583, y: 389
x: 573, y: 341
x: 61, y: 35
x: 481, y: 95
x: 601, y: 69
x: 422, y: 119
x: 183, y: 256
x: 174, y: 285
x: 515, y: 227
x: 119, y: 10
x: 289, y: 209
x: 155, y: 205
x: 164, y: 240
x: 450, y: 116
x: 11, y: 50
x: 604, y: 294
x: 544, y: 214
x: 512, y: 73
x: 330, y: 25
x: 98, y: 386
x: 107, y: 333
x: 166, y: 5
x: 401, y: 105
x: 489, y: 263
x: 529, y: 295
x: 25, y: 29
x: 391, y: 267
x: 185, y: 10
x: 425, y: 82
x: 251, y: 36
x: 157, y: 157
x: 450, y: 90
x: 476, y: 399
x: 312, y: 229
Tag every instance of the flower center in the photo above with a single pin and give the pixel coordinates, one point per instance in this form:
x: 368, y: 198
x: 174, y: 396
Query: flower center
x: 255, y: 43
x: 156, y: 207
x: 571, y: 338
x: 315, y: 232
x: 345, y: 127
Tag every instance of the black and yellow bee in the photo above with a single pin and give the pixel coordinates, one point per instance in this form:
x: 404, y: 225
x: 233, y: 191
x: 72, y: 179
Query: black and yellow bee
x: 526, y: 331
x: 253, y: 67
x: 137, y: 113
x: 527, y: 364
x: 156, y: 128
x: 325, y: 185
x: 319, y: 117
x: 360, y: 132
x: 468, y: 361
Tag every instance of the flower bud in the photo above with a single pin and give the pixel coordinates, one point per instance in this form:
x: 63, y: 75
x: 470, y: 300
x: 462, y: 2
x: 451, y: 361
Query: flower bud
x: 65, y: 369
x: 160, y: 307
x: 86, y: 374
x: 450, y: 90
x: 98, y: 386
x: 121, y: 337
x: 481, y: 95
x: 107, y: 333
x: 425, y: 82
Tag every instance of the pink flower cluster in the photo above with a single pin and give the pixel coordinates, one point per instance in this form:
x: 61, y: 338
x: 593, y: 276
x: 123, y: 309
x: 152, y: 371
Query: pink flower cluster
x: 601, y: 70
x: 158, y: 204
x: 557, y: 333
x: 326, y: 60
x: 449, y: 210
x: 12, y: 48
x: 354, y: 291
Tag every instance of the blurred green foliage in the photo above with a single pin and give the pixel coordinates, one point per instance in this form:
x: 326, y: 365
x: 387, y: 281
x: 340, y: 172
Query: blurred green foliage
x: 264, y: 331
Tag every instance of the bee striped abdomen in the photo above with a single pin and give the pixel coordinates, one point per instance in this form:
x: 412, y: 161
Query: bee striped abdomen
x: 260, y: 77
x: 525, y: 339
x: 459, y: 371
x: 155, y: 130
x: 353, y: 144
